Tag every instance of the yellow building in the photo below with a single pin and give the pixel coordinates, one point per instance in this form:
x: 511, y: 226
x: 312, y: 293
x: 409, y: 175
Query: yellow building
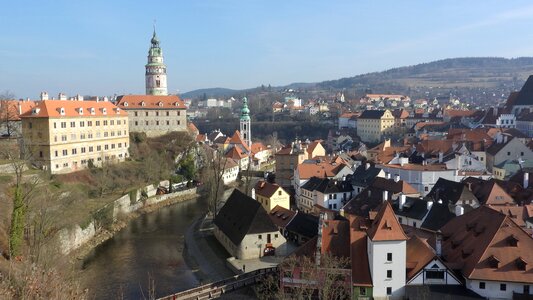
x: 289, y: 157
x: 270, y: 195
x: 373, y: 126
x: 64, y: 136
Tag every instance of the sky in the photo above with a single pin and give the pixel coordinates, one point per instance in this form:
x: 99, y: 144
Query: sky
x: 100, y: 47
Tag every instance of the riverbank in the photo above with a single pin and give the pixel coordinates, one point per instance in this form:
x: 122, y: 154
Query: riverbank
x: 78, y: 255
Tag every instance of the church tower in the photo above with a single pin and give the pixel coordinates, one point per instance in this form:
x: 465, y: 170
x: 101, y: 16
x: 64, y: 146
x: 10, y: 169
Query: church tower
x: 156, y: 71
x: 245, y: 123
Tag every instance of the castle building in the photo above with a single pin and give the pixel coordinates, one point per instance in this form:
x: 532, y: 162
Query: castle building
x: 155, y: 113
x: 66, y: 136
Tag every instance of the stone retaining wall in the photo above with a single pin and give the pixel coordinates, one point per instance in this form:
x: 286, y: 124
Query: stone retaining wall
x: 74, y: 237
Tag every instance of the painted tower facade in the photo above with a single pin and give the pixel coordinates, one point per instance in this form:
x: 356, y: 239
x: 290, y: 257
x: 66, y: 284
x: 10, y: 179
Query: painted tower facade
x: 245, y: 123
x: 156, y: 71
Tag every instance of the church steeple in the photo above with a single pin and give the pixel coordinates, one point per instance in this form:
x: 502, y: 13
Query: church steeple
x: 245, y: 123
x: 156, y: 71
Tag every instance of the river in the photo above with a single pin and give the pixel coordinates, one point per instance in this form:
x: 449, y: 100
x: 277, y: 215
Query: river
x: 150, y: 246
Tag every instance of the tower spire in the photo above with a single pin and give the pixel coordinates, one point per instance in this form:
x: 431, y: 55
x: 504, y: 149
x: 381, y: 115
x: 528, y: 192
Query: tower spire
x: 156, y: 71
x: 245, y: 123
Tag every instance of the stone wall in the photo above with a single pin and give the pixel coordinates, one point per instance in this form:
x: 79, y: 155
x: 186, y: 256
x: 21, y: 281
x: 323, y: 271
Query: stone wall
x: 74, y: 237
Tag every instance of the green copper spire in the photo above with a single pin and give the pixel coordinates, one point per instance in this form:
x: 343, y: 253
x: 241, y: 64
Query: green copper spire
x: 245, y: 112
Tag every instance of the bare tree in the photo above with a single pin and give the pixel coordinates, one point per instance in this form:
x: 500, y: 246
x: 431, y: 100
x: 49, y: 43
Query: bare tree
x: 214, y: 171
x: 8, y: 113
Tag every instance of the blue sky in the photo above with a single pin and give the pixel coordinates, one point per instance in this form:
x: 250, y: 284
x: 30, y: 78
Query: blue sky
x: 100, y: 47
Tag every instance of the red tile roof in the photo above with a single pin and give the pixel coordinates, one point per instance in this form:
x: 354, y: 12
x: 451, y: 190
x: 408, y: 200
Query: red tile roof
x: 236, y: 154
x: 150, y: 102
x: 266, y: 189
x: 52, y: 109
x: 281, y: 216
x: 359, y: 252
x: 12, y: 109
x: 487, y: 245
x: 237, y: 140
x: 321, y: 169
x: 385, y: 226
x: 336, y: 238
x: 418, y: 254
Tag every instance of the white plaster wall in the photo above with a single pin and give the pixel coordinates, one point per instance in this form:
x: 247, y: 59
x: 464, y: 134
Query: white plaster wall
x: 377, y: 256
x: 492, y: 289
x: 418, y: 279
x: 252, y: 247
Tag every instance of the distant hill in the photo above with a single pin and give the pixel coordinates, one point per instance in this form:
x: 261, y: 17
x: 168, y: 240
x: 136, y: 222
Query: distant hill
x: 210, y: 93
x: 460, y: 74
x: 486, y: 72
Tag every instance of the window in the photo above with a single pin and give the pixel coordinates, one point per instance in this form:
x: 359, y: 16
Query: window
x: 168, y: 122
x: 89, y: 123
x: 72, y: 124
x: 389, y: 290
x: 157, y: 123
x: 276, y: 236
x: 97, y: 123
x: 98, y: 148
x: 55, y: 125
x: 426, y: 188
x: 63, y: 124
x: 503, y: 287
x: 82, y: 124
x: 82, y: 149
x: 168, y: 113
x: 136, y: 123
x: 106, y: 147
x: 508, y: 153
x: 105, y: 122
x: 157, y: 113
x: 434, y: 274
x: 521, y: 153
x: 259, y: 237
x: 146, y: 114
x: 136, y: 114
x: 112, y: 122
x: 481, y: 285
x: 40, y: 153
x: 400, y: 220
x: 414, y: 224
x: 362, y: 291
x: 65, y: 152
x: 526, y: 289
x: 63, y: 138
x: 389, y: 274
x: 146, y: 123
x: 389, y: 256
x: 91, y: 148
x: 74, y: 151
x: 56, y: 154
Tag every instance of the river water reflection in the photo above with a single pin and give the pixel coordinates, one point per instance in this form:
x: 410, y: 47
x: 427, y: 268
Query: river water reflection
x: 149, y: 247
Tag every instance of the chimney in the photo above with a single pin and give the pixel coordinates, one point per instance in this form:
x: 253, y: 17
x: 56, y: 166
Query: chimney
x: 396, y: 178
x: 459, y: 210
x: 402, y: 201
x: 387, y: 175
x: 367, y: 166
x: 253, y: 193
x: 385, y: 195
x: 20, y: 108
x: 44, y: 96
x: 526, y: 180
x: 441, y: 156
x: 429, y: 205
x: 438, y: 243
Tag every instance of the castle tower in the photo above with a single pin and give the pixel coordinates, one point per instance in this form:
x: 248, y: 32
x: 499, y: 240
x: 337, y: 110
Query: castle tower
x: 245, y: 123
x: 156, y: 71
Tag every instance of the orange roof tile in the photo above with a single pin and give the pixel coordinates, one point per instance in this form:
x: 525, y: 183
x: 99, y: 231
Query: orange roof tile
x: 52, y: 109
x: 358, y: 251
x: 320, y: 169
x: 150, y: 102
x: 336, y: 238
x: 385, y: 226
x: 418, y: 254
x: 257, y: 147
x: 12, y: 109
x: 237, y: 140
x: 266, y: 189
x: 486, y: 244
x: 236, y: 154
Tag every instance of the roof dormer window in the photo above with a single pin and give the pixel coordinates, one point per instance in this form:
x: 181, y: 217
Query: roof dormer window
x: 177, y: 104
x: 80, y: 110
x: 36, y: 110
x: 493, y: 262
x: 117, y: 110
x: 92, y: 110
x: 62, y: 111
x: 521, y: 264
x: 160, y: 103
x: 126, y: 104
x: 104, y: 111
x: 143, y: 104
x: 512, y: 241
